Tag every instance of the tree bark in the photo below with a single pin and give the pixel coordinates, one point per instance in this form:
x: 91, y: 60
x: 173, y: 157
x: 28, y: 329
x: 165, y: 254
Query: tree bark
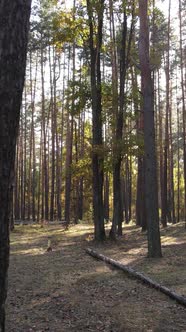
x: 97, y: 139
x: 125, y: 47
x: 14, y: 25
x: 151, y: 188
x: 183, y: 101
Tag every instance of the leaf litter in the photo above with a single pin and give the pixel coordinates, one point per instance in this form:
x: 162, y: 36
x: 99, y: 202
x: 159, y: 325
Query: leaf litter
x: 65, y: 290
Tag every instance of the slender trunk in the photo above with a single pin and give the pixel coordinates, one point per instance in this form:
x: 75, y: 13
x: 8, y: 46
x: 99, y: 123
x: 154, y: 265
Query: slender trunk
x: 106, y: 197
x: 39, y: 182
x: 124, y: 57
x: 172, y: 203
x: 45, y: 169
x: 183, y: 101
x: 69, y: 144
x: 140, y: 191
x: 81, y: 180
x: 53, y: 133
x: 165, y: 205
x: 160, y: 132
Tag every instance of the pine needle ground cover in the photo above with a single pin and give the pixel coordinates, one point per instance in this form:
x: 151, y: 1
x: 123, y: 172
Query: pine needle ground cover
x: 65, y: 290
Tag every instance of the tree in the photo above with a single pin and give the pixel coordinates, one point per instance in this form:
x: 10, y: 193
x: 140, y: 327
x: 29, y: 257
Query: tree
x: 165, y: 205
x: 183, y: 98
x: 97, y: 140
x: 151, y: 189
x: 14, y: 26
x: 124, y: 49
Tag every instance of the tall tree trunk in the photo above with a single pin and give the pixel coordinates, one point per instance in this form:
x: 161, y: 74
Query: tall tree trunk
x: 171, y: 157
x: 68, y: 176
x: 53, y: 133
x: 124, y: 57
x: 13, y: 45
x: 45, y: 188
x: 183, y: 101
x: 17, y: 174
x: 81, y: 180
x: 106, y: 197
x: 23, y: 214
x: 160, y: 133
x: 165, y: 203
x: 97, y: 140
x: 178, y: 151
x: 58, y: 165
x: 151, y: 188
x: 140, y: 186
x: 69, y: 144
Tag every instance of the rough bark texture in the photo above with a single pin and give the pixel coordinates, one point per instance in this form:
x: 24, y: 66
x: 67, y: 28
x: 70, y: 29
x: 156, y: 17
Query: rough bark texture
x: 151, y: 190
x: 14, y: 24
x: 180, y: 299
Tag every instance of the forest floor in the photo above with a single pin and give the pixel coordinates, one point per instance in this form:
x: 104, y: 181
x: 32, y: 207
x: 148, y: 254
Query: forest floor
x: 65, y: 290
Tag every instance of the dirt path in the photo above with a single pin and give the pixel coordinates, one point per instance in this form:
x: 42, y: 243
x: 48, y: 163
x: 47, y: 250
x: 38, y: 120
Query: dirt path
x: 67, y: 291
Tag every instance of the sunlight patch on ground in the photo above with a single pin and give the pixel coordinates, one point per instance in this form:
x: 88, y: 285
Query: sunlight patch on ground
x: 103, y: 269
x: 30, y: 252
x: 169, y: 240
x: 49, y: 290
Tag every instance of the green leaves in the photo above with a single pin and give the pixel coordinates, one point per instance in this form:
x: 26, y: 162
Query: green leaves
x: 78, y: 96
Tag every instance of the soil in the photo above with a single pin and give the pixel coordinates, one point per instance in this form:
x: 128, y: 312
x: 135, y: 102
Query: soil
x: 66, y: 290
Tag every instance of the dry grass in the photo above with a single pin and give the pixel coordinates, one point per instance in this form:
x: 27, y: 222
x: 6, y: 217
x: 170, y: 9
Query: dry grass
x: 65, y: 290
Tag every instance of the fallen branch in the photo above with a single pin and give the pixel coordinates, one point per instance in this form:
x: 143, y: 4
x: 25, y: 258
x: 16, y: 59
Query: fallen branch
x: 180, y: 299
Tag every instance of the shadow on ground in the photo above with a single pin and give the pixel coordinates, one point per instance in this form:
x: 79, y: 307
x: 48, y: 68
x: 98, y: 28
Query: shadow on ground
x: 66, y: 290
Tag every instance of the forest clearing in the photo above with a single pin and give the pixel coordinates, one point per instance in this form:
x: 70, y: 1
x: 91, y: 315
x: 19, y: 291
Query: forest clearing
x: 92, y: 162
x: 66, y: 290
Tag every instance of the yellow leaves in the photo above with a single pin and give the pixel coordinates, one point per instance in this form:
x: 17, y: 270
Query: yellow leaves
x: 68, y: 28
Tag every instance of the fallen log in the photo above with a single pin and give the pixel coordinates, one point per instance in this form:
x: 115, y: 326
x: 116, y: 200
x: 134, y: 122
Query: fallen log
x: 178, y: 298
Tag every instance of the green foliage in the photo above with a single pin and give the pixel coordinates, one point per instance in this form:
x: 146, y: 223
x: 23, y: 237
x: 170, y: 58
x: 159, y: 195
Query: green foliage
x: 69, y: 28
x: 78, y: 96
x: 82, y: 168
x: 158, y: 28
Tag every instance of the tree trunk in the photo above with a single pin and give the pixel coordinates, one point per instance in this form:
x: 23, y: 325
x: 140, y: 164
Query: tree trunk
x: 178, y: 153
x: 124, y: 57
x: 183, y: 102
x: 53, y: 147
x: 106, y: 197
x: 151, y: 188
x: 14, y: 18
x: 97, y: 139
x: 45, y: 188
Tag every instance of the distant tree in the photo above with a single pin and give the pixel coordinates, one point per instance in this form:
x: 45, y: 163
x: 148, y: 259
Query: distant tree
x: 14, y: 26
